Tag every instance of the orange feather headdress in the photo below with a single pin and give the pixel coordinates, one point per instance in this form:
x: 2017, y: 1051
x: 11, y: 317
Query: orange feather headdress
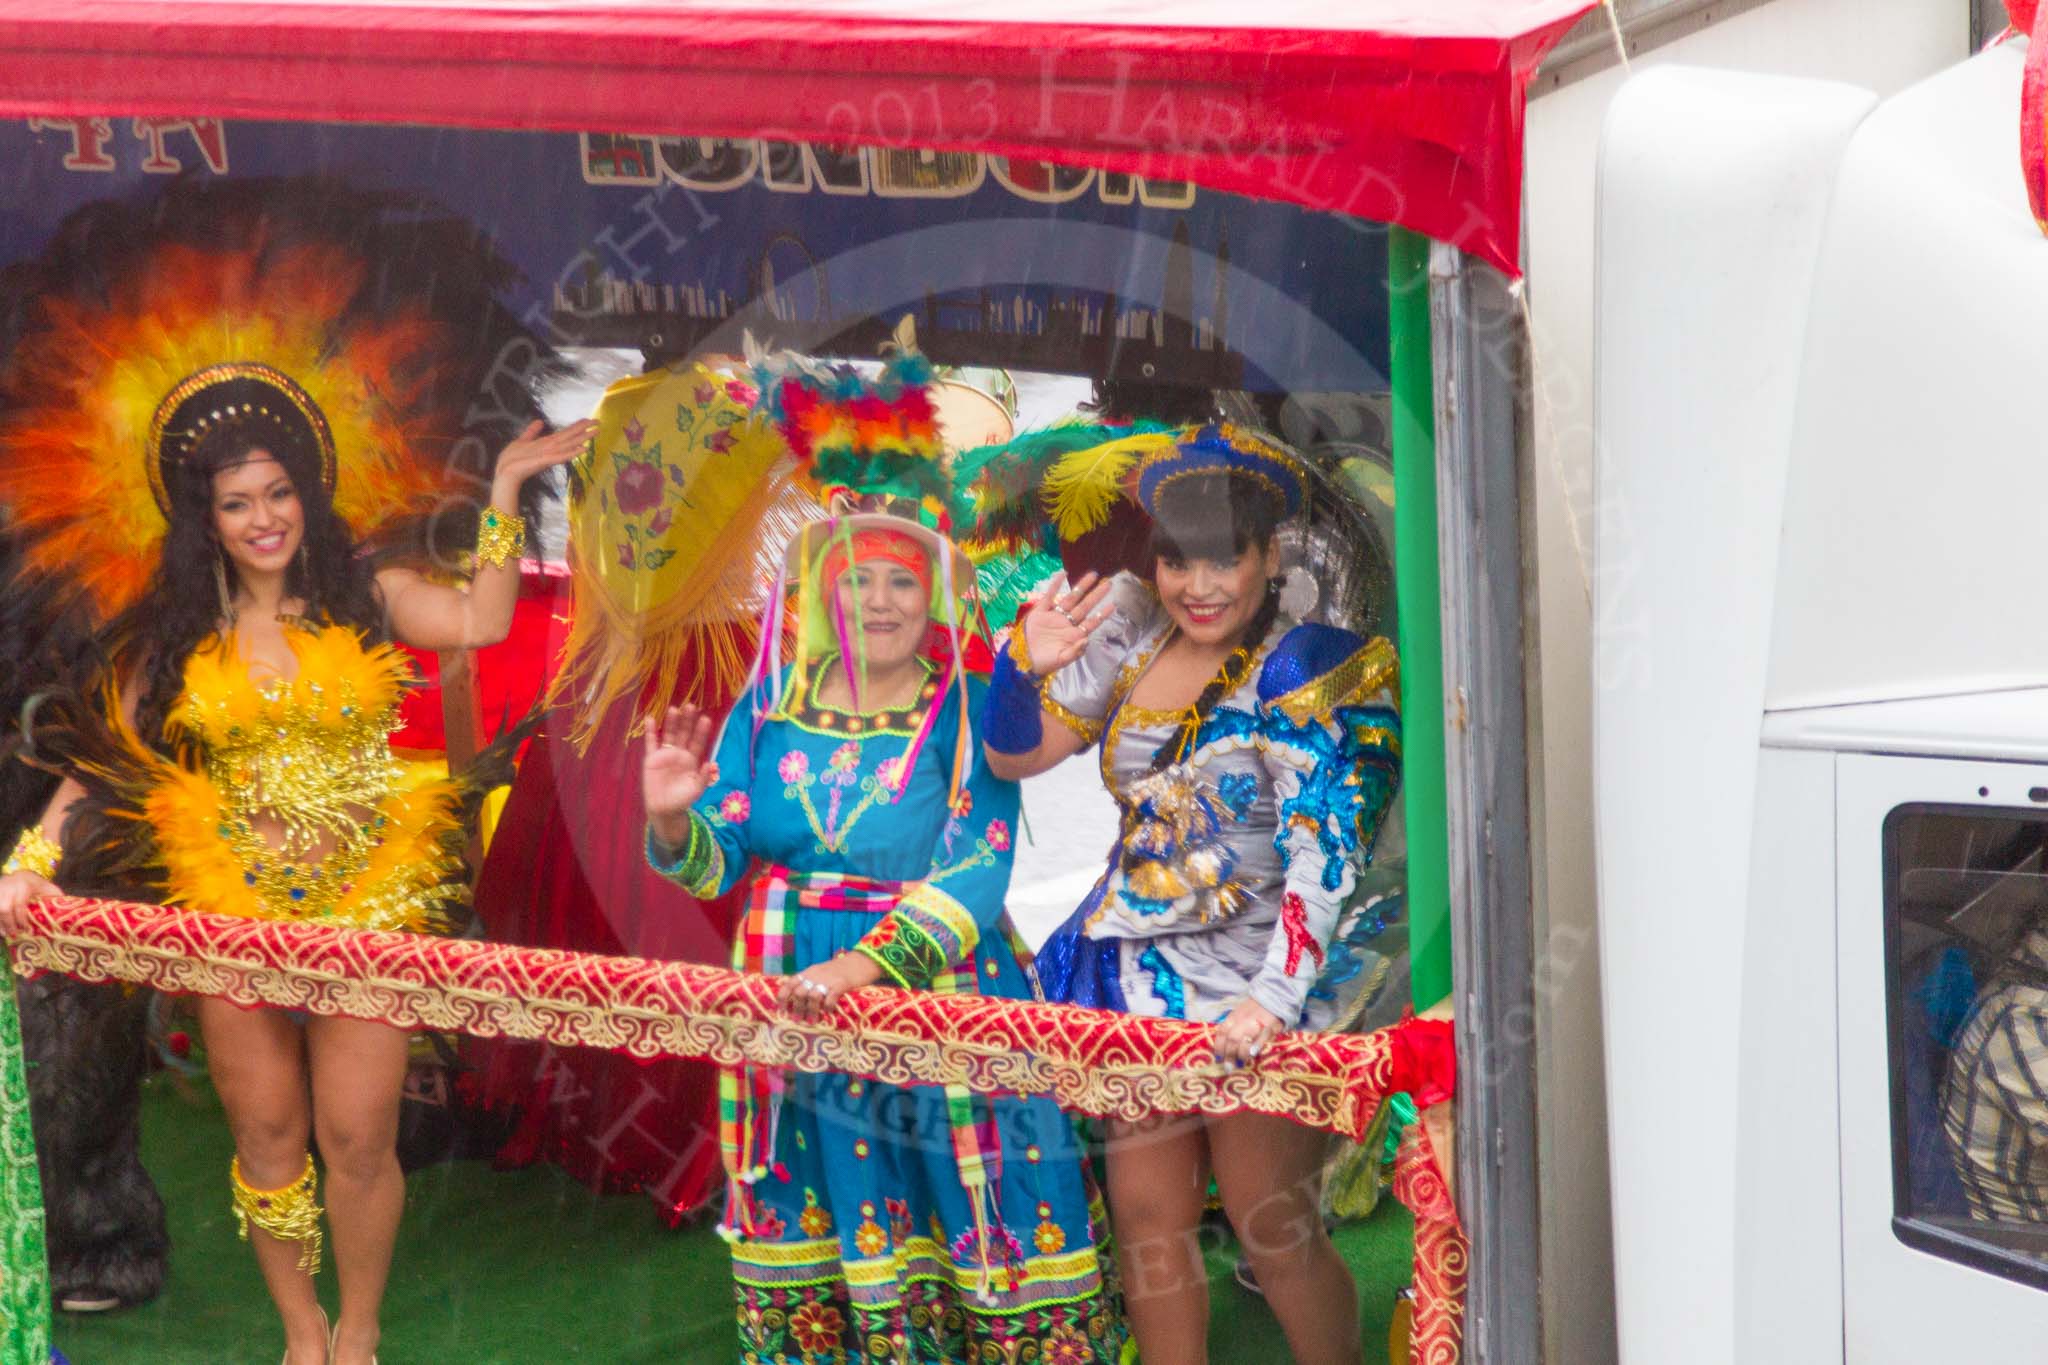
x: 371, y: 317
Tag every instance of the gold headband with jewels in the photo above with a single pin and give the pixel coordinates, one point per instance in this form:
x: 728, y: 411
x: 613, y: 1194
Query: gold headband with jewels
x: 228, y: 396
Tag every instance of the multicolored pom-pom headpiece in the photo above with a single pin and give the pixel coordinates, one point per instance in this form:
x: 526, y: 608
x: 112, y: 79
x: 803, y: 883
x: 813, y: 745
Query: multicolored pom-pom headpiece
x: 859, y: 438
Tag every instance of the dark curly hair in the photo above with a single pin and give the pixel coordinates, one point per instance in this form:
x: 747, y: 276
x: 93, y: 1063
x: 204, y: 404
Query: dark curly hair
x: 1141, y: 400
x: 182, y: 609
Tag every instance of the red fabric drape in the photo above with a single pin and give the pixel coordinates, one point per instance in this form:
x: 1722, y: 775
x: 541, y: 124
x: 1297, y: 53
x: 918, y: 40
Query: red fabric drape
x: 1443, y: 1253
x: 2034, y: 107
x: 511, y: 675
x: 567, y: 869
x: 1405, y: 111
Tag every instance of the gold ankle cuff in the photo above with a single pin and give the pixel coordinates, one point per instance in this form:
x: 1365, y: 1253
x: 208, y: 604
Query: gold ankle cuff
x: 290, y: 1214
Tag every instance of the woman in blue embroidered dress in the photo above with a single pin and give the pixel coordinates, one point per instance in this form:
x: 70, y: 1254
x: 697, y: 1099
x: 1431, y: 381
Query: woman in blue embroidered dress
x: 869, y: 1221
x: 1252, y: 759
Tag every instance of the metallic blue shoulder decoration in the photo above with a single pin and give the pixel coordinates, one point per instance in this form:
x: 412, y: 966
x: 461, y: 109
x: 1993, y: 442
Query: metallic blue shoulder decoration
x: 1303, y: 655
x: 1315, y: 701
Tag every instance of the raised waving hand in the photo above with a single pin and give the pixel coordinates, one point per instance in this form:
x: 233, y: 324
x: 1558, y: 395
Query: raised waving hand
x: 1064, y: 615
x: 675, y: 769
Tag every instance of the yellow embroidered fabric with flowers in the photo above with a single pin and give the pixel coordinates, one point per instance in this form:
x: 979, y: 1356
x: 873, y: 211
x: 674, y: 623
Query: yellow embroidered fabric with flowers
x: 297, y: 808
x: 676, y: 519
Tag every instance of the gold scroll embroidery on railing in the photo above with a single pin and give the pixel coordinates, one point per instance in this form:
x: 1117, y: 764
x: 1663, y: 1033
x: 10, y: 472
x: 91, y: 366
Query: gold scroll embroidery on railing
x: 1089, y: 1061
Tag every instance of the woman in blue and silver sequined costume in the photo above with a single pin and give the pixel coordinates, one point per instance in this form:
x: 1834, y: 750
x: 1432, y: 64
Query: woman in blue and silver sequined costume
x: 1251, y: 774
x: 1234, y: 866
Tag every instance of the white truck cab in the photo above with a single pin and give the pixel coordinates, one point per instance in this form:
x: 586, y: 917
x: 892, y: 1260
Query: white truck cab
x: 1821, y: 718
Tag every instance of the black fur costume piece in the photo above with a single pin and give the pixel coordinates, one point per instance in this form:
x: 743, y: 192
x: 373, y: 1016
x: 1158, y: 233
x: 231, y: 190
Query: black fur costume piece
x: 83, y: 1044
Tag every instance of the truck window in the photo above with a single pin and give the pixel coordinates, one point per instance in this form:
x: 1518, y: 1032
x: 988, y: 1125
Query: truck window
x: 1966, y: 951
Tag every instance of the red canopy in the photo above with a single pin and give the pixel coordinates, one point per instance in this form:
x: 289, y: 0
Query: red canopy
x: 1406, y: 111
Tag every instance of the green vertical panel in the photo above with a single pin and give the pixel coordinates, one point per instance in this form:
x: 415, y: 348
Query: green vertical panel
x: 1422, y: 641
x: 24, y: 1277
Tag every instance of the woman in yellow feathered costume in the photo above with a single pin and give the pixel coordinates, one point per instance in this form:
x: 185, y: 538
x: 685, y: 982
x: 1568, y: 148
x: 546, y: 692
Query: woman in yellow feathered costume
x: 258, y: 687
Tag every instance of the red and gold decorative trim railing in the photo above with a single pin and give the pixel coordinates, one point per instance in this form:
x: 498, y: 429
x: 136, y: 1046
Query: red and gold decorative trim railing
x: 1089, y: 1061
x: 1442, y: 1254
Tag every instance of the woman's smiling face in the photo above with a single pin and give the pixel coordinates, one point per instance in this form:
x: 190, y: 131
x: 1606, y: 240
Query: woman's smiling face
x: 1212, y: 601
x: 888, y: 608
x: 257, y: 515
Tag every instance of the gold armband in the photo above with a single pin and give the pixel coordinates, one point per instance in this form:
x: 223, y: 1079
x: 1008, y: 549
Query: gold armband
x: 500, y: 537
x: 34, y: 852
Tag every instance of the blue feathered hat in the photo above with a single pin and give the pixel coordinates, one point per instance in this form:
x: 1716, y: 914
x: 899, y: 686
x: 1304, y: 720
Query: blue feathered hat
x: 1218, y: 448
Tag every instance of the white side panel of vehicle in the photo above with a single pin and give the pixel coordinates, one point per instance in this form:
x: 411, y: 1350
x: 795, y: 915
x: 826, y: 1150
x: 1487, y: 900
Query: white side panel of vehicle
x: 1903, y: 1306
x: 1913, y: 515
x: 2008, y: 725
x: 1713, y: 192
x: 1781, y: 1011
x: 1882, y: 45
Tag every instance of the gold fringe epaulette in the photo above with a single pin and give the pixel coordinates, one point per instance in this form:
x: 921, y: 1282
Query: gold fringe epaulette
x: 1368, y: 673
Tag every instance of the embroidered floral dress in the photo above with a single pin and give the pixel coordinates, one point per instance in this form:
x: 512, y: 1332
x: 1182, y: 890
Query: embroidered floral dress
x: 1234, y: 870
x: 859, y: 1239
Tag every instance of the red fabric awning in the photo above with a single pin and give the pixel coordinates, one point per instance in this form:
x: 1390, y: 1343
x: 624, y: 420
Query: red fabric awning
x: 1405, y: 111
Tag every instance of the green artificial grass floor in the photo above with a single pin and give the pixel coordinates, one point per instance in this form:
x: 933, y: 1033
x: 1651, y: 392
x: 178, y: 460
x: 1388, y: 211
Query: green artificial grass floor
x: 525, y: 1267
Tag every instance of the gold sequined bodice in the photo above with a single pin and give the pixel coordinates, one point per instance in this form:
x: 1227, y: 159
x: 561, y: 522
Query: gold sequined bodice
x: 306, y: 761
x: 313, y: 751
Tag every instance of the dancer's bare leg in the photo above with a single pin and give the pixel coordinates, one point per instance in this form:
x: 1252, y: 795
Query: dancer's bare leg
x: 1158, y: 1183
x: 1269, y: 1173
x: 257, y: 1060
x: 358, y: 1077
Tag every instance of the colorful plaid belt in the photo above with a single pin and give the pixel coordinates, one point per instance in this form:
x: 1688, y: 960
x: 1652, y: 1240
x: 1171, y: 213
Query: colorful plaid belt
x: 750, y: 1098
